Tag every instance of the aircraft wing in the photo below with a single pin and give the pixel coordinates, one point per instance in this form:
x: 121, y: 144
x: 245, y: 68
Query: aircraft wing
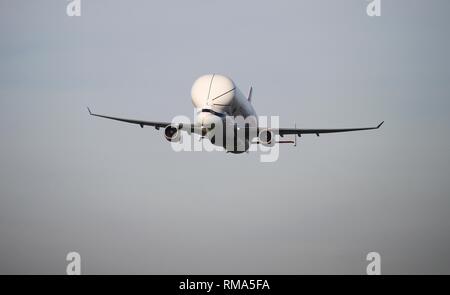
x: 142, y: 123
x: 299, y: 132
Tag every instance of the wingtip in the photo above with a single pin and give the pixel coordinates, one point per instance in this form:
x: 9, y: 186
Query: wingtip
x: 380, y: 125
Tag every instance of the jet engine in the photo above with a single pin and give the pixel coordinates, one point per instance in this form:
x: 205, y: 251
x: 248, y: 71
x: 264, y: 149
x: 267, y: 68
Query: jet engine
x: 266, y: 137
x: 172, y: 133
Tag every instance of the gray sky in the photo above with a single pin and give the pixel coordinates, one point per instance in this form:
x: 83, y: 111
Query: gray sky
x: 127, y: 203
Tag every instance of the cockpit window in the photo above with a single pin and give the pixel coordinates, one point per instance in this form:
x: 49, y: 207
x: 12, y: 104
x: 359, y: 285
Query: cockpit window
x: 213, y: 112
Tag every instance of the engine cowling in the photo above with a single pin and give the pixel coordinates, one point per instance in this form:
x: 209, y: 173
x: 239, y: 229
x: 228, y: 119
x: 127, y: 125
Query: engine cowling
x: 172, y: 133
x: 266, y: 137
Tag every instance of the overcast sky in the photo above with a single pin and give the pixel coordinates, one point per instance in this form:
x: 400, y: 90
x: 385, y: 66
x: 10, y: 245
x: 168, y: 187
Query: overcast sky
x: 122, y: 198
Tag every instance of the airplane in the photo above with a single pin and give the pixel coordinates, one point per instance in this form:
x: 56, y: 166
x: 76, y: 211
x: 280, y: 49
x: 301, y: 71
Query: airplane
x: 218, y: 101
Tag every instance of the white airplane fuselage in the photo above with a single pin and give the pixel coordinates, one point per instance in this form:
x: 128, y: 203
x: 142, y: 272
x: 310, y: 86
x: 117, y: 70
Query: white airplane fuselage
x: 215, y: 98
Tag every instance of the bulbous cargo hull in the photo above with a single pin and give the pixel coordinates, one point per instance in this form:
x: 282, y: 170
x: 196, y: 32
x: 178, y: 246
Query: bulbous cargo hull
x: 220, y: 94
x: 217, y: 98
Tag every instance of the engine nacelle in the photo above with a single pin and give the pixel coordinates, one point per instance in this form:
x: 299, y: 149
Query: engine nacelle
x: 266, y: 137
x: 172, y: 133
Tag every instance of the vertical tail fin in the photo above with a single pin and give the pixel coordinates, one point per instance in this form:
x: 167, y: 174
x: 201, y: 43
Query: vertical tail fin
x: 250, y: 94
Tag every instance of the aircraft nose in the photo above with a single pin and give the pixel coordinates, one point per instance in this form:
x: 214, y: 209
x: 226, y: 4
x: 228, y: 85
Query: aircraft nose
x: 208, y: 120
